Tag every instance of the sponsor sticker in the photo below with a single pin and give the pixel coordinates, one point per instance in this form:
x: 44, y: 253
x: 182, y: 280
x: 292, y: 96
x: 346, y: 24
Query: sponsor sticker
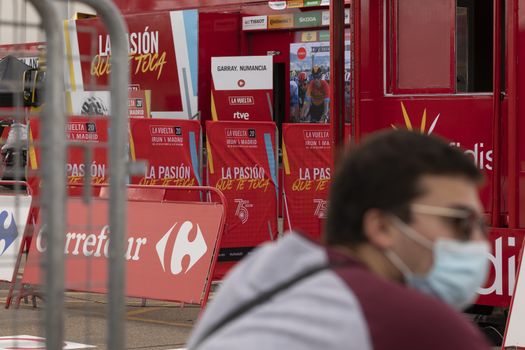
x: 308, y: 3
x: 308, y: 36
x: 295, y: 3
x: 277, y: 4
x: 254, y: 23
x: 280, y: 21
x: 324, y: 35
x: 326, y: 17
x: 309, y: 19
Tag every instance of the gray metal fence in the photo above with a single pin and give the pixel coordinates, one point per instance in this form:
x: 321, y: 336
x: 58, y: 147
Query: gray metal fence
x: 52, y: 198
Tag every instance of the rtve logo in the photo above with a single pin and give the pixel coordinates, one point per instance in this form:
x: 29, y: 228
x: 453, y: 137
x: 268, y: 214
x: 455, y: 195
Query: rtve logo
x: 240, y: 115
x: 183, y: 246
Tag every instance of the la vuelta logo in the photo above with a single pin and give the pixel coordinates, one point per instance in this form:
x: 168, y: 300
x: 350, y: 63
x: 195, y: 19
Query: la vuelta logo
x: 182, y: 247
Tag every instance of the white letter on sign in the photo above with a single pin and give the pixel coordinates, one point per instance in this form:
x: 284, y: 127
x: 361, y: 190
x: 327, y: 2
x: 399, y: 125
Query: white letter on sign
x: 182, y: 247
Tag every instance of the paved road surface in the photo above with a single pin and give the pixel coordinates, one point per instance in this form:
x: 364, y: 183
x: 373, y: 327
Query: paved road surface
x: 159, y: 325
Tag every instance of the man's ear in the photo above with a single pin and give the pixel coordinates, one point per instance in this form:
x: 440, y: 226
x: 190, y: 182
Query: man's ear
x: 378, y: 229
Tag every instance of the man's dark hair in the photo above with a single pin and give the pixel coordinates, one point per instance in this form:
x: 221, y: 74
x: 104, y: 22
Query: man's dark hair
x: 383, y: 172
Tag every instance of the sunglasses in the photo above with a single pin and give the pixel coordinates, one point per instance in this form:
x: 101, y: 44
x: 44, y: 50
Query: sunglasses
x: 462, y: 220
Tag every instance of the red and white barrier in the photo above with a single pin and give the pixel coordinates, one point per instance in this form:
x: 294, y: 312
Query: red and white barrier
x: 171, y: 246
x: 14, y: 217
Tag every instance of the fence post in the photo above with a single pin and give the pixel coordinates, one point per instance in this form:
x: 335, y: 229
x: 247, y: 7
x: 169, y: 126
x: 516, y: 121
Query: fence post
x: 119, y: 81
x: 53, y: 174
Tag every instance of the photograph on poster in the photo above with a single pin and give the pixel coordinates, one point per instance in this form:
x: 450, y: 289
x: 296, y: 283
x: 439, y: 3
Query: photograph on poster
x: 310, y: 82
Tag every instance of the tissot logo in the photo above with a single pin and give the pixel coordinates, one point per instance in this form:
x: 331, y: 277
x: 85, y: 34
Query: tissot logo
x: 182, y: 247
x: 8, y: 231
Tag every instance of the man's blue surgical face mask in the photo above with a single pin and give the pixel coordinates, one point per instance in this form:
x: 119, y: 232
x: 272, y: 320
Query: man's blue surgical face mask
x: 458, y: 270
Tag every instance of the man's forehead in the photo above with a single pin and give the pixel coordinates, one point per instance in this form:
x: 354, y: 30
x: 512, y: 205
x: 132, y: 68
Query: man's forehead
x: 446, y: 190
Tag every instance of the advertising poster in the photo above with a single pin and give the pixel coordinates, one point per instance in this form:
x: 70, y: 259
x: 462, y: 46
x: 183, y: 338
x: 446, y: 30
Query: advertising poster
x: 310, y: 79
x: 171, y: 149
x: 242, y: 163
x: 242, y: 88
x: 173, y: 248
x: 307, y: 163
x: 163, y: 57
x: 84, y: 131
x: 98, y: 103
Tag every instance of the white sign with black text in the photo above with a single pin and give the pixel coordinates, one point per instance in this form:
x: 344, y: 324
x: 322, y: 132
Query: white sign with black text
x: 242, y: 73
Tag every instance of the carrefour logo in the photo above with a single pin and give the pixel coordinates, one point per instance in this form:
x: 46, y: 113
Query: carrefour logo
x: 8, y: 231
x: 182, y: 247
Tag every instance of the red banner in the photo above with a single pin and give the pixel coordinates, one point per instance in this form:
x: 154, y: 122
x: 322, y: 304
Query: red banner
x: 242, y: 164
x: 171, y: 148
x: 168, y: 257
x: 163, y: 55
x: 307, y: 163
x: 91, y: 132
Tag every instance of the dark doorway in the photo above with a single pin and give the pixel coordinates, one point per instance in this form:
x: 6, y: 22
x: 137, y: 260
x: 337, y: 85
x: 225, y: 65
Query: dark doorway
x: 279, y: 95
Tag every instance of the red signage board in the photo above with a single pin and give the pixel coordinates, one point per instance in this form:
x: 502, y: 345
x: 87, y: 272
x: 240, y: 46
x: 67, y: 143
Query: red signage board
x: 92, y: 132
x: 163, y: 55
x: 168, y: 257
x: 171, y: 148
x: 307, y: 165
x: 307, y: 162
x: 248, y: 105
x: 242, y: 164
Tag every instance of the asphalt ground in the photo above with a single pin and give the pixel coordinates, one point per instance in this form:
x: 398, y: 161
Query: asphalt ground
x: 158, y: 325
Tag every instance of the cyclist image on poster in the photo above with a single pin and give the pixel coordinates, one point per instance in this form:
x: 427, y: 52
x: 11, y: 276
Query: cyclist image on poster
x: 310, y: 80
x: 298, y: 87
x: 303, y: 86
x: 317, y: 101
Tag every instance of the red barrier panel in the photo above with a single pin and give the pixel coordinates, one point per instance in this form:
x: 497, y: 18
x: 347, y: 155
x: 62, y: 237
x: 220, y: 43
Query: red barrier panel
x: 242, y: 164
x: 81, y: 131
x: 171, y: 246
x: 172, y: 149
x: 307, y: 163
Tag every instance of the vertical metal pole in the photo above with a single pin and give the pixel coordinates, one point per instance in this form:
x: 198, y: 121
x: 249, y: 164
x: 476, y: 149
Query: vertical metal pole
x: 53, y: 174
x: 496, y: 114
x: 119, y: 82
x: 337, y: 74
x: 512, y: 130
x: 356, y: 72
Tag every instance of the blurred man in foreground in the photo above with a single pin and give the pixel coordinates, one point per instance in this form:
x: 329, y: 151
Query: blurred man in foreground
x: 404, y: 251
